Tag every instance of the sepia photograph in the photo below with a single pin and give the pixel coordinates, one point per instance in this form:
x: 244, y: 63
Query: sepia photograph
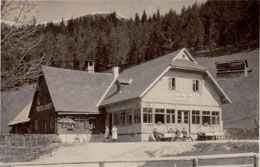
x: 129, y: 83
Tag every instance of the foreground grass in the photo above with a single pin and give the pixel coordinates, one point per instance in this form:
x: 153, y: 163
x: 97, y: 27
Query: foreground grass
x: 27, y: 154
x: 213, y: 148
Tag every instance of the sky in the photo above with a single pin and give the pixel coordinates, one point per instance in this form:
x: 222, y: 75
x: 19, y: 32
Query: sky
x: 56, y: 10
x: 49, y: 10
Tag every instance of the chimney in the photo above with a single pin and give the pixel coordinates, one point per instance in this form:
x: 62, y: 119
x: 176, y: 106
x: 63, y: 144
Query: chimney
x: 90, y: 66
x: 115, y: 72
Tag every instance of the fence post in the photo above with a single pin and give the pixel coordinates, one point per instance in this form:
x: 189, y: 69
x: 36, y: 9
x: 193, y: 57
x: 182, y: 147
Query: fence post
x: 256, y: 160
x: 195, y: 163
x: 6, y: 143
x: 101, y: 164
x: 24, y: 140
x: 36, y: 138
x: 174, y: 165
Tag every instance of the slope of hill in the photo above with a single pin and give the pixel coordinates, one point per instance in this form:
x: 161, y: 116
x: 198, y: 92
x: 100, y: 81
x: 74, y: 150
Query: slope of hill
x: 12, y: 102
x: 243, y: 92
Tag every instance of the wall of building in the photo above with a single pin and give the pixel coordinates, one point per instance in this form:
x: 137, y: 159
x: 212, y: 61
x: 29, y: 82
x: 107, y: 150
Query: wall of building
x: 183, y: 93
x: 84, y: 124
x: 42, y: 113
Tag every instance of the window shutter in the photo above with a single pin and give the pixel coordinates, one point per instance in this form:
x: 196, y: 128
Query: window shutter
x: 201, y: 82
x: 170, y: 83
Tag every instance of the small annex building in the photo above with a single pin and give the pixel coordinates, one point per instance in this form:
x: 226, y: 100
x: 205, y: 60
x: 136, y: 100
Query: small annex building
x: 172, y: 91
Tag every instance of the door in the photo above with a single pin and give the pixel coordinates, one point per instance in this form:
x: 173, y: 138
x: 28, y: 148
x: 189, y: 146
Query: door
x: 183, y: 117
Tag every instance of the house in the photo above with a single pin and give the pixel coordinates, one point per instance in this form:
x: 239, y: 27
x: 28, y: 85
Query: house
x: 172, y: 91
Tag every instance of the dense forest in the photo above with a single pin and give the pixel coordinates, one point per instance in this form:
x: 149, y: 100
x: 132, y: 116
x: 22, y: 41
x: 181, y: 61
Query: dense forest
x: 112, y: 41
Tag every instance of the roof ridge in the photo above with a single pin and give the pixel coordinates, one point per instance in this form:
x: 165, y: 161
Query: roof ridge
x: 65, y: 69
x: 165, y: 55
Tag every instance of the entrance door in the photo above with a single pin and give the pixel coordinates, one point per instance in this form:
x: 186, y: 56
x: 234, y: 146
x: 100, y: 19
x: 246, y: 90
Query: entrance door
x: 183, y: 117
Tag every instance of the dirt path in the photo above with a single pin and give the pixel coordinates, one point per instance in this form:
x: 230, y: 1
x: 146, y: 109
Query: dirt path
x: 120, y: 151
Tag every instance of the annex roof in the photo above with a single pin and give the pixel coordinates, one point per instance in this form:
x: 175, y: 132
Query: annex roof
x: 23, y: 116
x: 145, y: 75
x: 76, y: 91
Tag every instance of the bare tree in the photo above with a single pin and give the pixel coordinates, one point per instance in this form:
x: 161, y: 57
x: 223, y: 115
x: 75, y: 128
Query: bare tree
x: 19, y: 65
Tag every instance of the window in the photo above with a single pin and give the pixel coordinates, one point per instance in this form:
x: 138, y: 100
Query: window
x: 137, y: 116
x: 148, y: 115
x: 76, y: 124
x: 36, y: 126
x: 195, y: 85
x: 183, y: 116
x: 195, y: 117
x: 172, y: 83
x: 206, y: 117
x: 116, y: 118
x: 86, y: 124
x: 51, y: 124
x: 122, y: 118
x: 159, y: 115
x: 44, y: 124
x: 170, y: 116
x: 129, y: 117
x: 215, y: 118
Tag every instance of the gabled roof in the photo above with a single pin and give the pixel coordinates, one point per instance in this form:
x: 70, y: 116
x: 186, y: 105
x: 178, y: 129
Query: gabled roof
x: 145, y: 75
x: 142, y: 76
x: 23, y: 116
x: 76, y: 91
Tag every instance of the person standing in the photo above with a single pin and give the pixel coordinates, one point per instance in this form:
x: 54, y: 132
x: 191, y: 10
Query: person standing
x: 106, y: 135
x: 114, y: 133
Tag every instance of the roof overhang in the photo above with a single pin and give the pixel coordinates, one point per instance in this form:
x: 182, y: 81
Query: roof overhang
x: 19, y: 122
x: 224, y: 98
x: 77, y: 113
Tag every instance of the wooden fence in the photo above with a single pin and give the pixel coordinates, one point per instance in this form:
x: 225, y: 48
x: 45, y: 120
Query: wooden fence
x: 12, y: 141
x: 194, y: 159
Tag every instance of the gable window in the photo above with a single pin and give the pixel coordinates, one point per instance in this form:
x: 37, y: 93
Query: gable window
x: 159, y: 115
x: 148, y: 115
x: 195, y: 117
x: 195, y: 85
x: 172, y: 83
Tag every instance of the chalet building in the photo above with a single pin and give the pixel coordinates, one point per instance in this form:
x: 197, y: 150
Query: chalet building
x: 172, y: 91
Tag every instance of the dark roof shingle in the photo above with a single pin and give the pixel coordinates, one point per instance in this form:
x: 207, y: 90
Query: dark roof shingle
x: 76, y: 91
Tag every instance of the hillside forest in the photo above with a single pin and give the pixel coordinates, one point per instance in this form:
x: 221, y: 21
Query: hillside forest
x: 112, y: 41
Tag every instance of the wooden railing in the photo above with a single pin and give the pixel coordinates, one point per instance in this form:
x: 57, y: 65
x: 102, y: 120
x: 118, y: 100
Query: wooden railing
x: 10, y: 141
x: 194, y: 159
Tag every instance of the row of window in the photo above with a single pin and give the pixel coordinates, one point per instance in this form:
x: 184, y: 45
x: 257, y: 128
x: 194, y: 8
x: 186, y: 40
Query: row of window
x: 124, y: 117
x: 204, y: 118
x: 43, y: 125
x: 195, y: 84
